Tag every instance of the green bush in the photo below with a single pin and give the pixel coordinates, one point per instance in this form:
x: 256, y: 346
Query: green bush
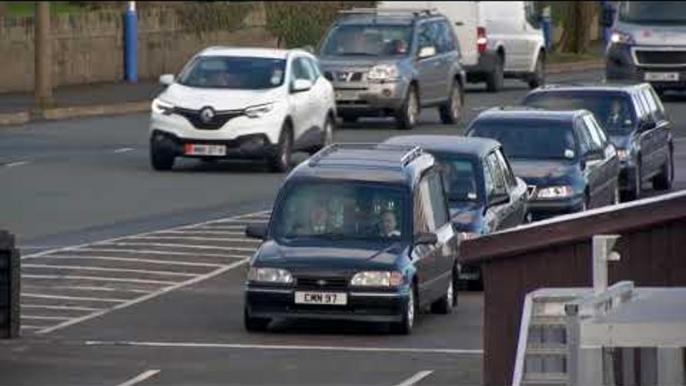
x: 302, y: 23
x: 204, y: 17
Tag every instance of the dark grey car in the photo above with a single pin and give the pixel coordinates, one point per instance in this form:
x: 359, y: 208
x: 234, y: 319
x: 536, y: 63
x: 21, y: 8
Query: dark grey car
x: 393, y: 63
x: 636, y: 122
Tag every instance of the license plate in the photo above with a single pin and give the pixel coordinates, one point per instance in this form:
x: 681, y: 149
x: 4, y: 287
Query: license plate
x: 325, y: 298
x: 209, y: 150
x: 662, y: 76
x: 347, y: 95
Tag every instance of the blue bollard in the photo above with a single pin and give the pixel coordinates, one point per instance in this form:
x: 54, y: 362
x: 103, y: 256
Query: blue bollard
x: 131, y: 44
x: 547, y: 25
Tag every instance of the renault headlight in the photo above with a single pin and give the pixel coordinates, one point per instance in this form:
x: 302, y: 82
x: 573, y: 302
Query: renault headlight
x: 620, y: 37
x: 270, y: 275
x: 161, y: 107
x: 556, y: 192
x: 384, y: 72
x: 259, y: 110
x: 377, y: 279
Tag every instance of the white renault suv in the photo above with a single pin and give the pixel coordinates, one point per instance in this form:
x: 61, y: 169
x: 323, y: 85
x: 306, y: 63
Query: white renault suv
x: 242, y: 103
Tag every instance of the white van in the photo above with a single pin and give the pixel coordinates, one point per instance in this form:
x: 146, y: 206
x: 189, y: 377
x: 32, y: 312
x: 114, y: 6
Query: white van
x: 498, y: 39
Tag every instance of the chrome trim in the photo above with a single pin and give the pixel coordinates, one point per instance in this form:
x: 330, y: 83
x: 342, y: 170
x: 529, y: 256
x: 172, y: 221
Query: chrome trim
x: 376, y: 294
x: 271, y: 290
x: 656, y: 49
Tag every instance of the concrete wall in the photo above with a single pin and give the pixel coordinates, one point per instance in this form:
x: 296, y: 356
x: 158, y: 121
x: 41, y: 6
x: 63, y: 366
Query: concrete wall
x: 88, y: 47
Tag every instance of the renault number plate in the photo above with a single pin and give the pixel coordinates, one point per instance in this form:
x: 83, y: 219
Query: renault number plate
x: 662, y: 76
x: 208, y: 150
x: 323, y: 298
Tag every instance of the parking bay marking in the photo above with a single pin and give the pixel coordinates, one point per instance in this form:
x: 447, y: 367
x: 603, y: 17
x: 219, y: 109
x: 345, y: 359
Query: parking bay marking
x: 415, y: 378
x: 100, y: 269
x: 145, y: 298
x: 140, y: 378
x: 193, y: 238
x: 286, y: 347
x: 129, y: 253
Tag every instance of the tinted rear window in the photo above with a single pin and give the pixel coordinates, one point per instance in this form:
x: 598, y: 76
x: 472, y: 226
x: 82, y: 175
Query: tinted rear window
x: 530, y: 139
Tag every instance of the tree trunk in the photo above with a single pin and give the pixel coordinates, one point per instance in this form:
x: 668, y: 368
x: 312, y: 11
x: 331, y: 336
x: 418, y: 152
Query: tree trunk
x: 576, y: 37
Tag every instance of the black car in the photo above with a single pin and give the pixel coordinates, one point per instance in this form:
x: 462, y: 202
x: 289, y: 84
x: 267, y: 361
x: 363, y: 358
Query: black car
x: 566, y: 155
x: 358, y: 232
x: 636, y: 122
x: 483, y: 193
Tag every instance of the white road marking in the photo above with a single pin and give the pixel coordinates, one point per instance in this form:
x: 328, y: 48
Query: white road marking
x: 152, y: 252
x: 415, y: 378
x: 145, y: 298
x: 75, y: 298
x: 193, y: 238
x: 97, y: 278
x: 59, y: 308
x: 123, y: 150
x: 680, y: 139
x: 140, y: 378
x: 201, y: 247
x: 286, y: 347
x: 15, y: 164
x: 220, y: 228
x: 132, y: 259
x: 32, y: 317
x: 242, y: 221
x: 27, y: 327
x: 210, y: 232
x: 99, y: 269
x: 86, y: 288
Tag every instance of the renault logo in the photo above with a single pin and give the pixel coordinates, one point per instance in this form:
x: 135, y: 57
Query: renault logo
x: 321, y: 282
x: 206, y: 114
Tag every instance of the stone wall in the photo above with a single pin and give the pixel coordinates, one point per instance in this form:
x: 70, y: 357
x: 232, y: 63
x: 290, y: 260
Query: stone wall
x: 88, y: 47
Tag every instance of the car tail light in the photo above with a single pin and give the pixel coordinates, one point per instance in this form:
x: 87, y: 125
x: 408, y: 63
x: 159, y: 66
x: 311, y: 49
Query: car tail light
x: 481, y: 39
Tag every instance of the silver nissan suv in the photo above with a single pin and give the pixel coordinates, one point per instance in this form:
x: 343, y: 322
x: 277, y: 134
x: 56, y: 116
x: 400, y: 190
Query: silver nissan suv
x: 392, y: 63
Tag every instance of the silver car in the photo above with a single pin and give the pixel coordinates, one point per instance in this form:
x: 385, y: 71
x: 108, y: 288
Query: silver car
x: 648, y: 43
x: 392, y: 63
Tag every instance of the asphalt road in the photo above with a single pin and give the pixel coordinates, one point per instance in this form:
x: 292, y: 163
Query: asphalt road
x: 135, y: 277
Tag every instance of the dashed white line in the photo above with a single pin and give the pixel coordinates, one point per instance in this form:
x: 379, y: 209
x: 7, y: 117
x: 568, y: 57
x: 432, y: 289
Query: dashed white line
x: 59, y: 308
x: 132, y: 260
x: 98, y: 278
x: 145, y: 298
x: 99, y: 269
x: 287, y: 347
x: 415, y: 378
x: 164, y: 245
x: 123, y: 150
x: 74, y: 298
x: 140, y: 378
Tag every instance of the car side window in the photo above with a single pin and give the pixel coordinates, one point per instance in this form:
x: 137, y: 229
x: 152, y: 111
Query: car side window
x: 661, y: 115
x: 428, y: 35
x: 488, y: 179
x: 314, y: 67
x: 651, y: 103
x: 585, y: 140
x: 446, y: 42
x: 640, y: 110
x: 438, y: 203
x: 598, y: 129
x: 423, y: 215
x: 301, y: 70
x: 506, y: 169
x: 596, y: 139
x: 499, y: 184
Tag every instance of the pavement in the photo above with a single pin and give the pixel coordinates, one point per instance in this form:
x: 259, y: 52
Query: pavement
x: 134, y: 277
x: 102, y: 99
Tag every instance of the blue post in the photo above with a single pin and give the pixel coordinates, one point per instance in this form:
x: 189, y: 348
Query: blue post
x: 547, y: 24
x: 131, y: 43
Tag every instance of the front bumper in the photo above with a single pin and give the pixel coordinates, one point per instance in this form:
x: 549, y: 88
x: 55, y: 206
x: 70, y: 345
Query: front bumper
x: 370, y: 98
x: 621, y: 65
x: 248, y: 146
x: 383, y: 307
x: 543, y: 209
